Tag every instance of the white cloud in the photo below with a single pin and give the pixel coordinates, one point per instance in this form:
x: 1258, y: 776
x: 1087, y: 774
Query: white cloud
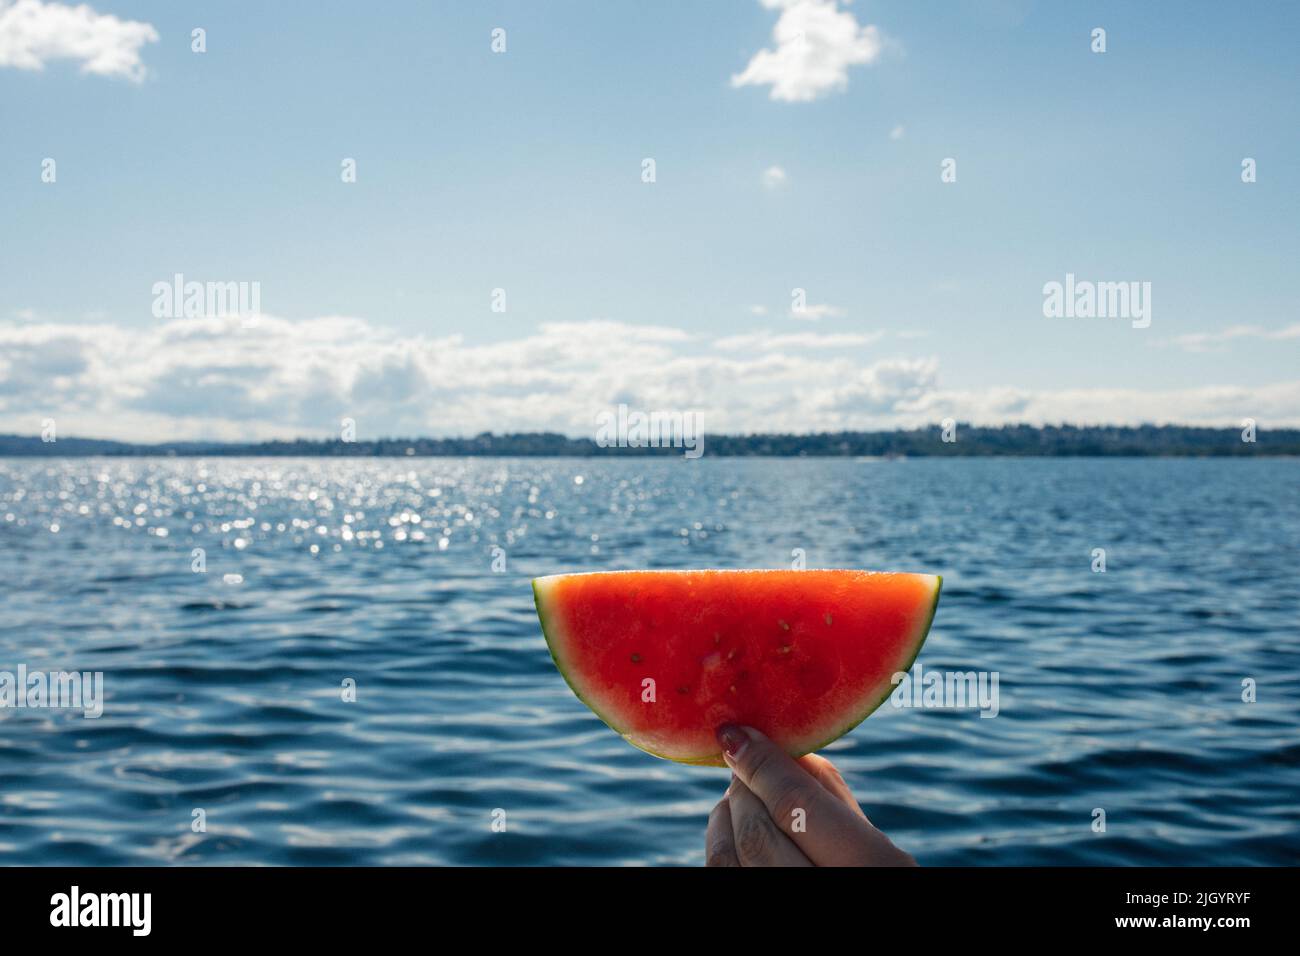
x: 812, y: 313
x: 897, y: 133
x: 774, y: 177
x: 816, y: 43
x: 33, y: 33
x: 212, y: 379
x: 1206, y: 341
x: 889, y: 387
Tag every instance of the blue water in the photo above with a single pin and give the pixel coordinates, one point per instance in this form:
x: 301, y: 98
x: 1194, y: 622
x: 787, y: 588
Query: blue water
x: 1119, y: 690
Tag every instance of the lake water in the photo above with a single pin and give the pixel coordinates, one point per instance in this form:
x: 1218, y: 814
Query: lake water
x: 1120, y: 691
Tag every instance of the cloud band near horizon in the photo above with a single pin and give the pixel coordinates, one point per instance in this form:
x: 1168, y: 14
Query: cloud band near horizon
x: 213, y: 379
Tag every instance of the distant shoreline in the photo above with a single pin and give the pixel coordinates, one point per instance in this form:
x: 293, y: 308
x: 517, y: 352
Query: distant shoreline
x: 1052, y: 441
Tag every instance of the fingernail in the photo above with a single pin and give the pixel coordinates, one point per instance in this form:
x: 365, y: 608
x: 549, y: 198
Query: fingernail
x: 733, y: 740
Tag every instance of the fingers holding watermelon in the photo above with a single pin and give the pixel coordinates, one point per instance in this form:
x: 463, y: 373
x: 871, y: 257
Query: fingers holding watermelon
x: 828, y: 775
x: 719, y: 843
x: 804, y: 803
x: 758, y: 841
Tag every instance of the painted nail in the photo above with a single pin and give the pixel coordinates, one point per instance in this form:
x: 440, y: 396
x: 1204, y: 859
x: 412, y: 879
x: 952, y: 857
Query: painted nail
x: 733, y: 740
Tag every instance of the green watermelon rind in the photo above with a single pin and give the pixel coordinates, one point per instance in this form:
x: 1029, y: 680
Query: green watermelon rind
x: 715, y: 759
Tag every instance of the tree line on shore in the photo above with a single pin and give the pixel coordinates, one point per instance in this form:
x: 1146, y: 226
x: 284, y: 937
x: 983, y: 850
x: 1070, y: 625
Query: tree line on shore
x: 963, y: 441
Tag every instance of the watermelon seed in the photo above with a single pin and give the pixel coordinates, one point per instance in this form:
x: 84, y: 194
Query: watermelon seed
x: 731, y: 654
x: 785, y: 649
x: 828, y: 620
x: 733, y: 688
x: 717, y: 639
x: 636, y: 658
x: 785, y: 626
x: 683, y: 690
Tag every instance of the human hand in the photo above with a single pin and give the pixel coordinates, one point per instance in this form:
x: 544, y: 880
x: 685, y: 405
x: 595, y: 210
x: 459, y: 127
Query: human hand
x: 780, y: 811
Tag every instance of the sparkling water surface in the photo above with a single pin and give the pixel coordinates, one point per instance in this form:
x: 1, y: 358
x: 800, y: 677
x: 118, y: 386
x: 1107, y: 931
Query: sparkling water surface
x: 1119, y: 690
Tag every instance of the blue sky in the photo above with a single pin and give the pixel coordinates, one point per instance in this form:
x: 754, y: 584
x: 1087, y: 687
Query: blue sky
x: 522, y: 171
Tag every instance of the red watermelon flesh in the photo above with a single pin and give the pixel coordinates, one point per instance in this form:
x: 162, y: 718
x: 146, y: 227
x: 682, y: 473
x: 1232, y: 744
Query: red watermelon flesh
x: 666, y: 657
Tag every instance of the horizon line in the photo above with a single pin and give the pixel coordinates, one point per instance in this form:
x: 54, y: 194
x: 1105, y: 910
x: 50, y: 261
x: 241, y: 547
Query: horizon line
x: 818, y: 433
x: 947, y: 439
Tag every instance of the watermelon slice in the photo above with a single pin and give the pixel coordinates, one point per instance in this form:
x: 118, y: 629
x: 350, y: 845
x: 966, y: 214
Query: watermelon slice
x: 666, y: 657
